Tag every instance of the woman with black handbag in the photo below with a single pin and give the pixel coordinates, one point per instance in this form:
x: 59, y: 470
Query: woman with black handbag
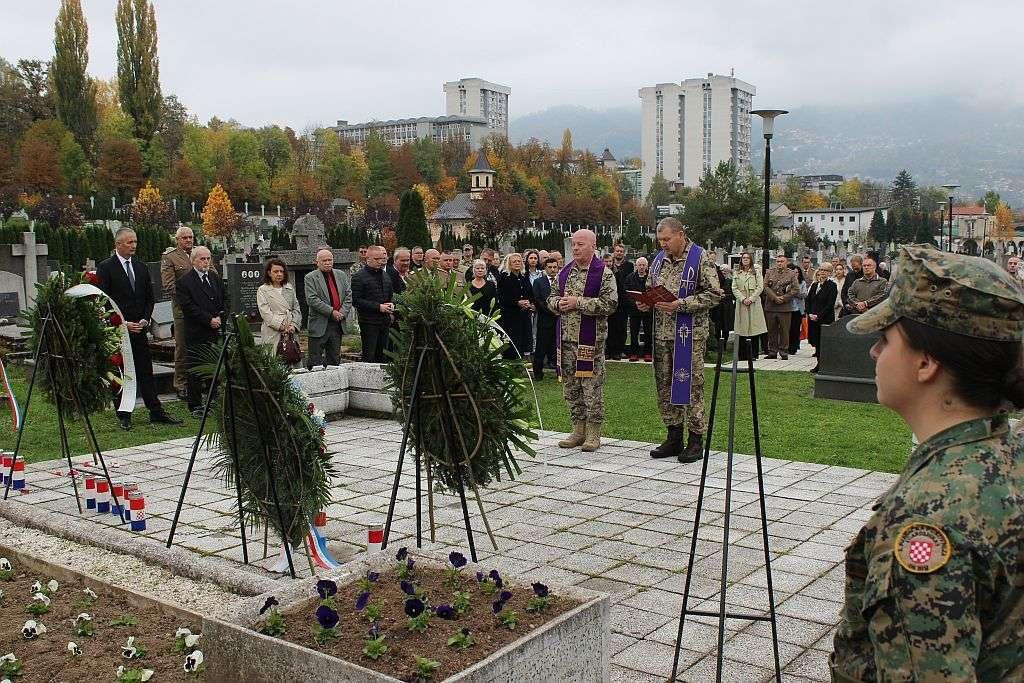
x: 279, y: 308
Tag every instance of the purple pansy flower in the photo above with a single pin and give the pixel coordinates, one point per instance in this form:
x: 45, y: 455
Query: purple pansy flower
x: 327, y: 617
x: 407, y: 588
x: 372, y: 577
x: 410, y: 563
x: 326, y: 588
x: 506, y: 596
x: 414, y: 607
x: 540, y: 590
x: 457, y: 559
x: 445, y: 611
x: 402, y: 554
x: 271, y: 602
x: 361, y: 601
x: 495, y: 577
x: 480, y: 577
x: 498, y: 606
x: 374, y: 631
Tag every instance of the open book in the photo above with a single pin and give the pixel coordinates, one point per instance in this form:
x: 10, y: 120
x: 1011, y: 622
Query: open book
x: 652, y: 296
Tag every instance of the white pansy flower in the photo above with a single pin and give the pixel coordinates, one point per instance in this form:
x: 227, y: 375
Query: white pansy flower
x: 193, y: 661
x: 5, y: 564
x: 128, y: 651
x: 36, y: 587
x: 74, y: 649
x: 192, y: 640
x: 182, y: 632
x: 52, y: 585
x: 89, y: 592
x: 146, y: 675
x: 41, y: 597
x: 9, y: 657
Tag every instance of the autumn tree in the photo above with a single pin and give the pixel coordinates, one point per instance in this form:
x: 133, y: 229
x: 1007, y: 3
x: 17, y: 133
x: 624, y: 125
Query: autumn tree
x: 847, y: 193
x: 659, y: 193
x: 151, y: 210
x: 119, y: 172
x: 429, y: 200
x: 73, y: 89
x: 497, y: 213
x: 404, y: 172
x: 219, y: 217
x: 38, y: 168
x: 74, y: 166
x: 1005, y: 229
x: 183, y: 181
x: 378, y: 158
x: 411, y: 229
x: 138, y: 67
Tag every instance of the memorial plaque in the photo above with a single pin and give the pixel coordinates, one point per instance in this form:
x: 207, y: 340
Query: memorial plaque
x: 846, y: 370
x: 9, y: 304
x: 243, y: 281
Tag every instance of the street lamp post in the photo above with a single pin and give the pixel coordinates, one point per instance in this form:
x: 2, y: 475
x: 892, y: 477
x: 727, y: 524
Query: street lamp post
x: 768, y: 126
x: 949, y: 188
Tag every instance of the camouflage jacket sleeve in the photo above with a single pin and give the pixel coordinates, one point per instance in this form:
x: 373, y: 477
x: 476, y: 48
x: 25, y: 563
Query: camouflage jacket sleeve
x: 709, y: 292
x: 168, y: 278
x: 606, y: 301
x: 552, y: 300
x: 924, y: 626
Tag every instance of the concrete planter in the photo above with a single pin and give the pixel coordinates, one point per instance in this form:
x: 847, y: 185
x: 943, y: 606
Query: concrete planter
x: 572, y: 647
x: 366, y: 389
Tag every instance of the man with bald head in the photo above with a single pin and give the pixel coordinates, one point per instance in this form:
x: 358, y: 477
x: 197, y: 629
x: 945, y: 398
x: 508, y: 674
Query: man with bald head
x: 200, y: 295
x: 584, y: 296
x: 681, y: 329
x: 371, y: 295
x: 329, y: 303
x: 175, y: 263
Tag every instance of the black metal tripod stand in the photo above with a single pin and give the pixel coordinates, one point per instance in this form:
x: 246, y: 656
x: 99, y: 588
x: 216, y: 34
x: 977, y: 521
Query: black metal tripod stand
x: 53, y: 345
x: 230, y: 345
x: 722, y: 614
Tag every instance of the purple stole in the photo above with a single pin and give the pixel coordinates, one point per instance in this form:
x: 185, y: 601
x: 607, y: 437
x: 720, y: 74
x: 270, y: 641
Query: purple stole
x: 682, y: 356
x: 586, y: 343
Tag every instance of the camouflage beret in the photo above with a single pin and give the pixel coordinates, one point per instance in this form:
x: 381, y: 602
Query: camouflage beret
x: 967, y: 295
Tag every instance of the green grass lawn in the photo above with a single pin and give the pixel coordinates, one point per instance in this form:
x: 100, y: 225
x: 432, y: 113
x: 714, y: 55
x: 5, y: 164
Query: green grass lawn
x: 794, y: 425
x: 41, y: 440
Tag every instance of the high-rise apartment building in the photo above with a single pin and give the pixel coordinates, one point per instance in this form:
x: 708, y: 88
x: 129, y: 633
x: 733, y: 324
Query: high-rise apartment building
x: 477, y: 97
x: 691, y: 126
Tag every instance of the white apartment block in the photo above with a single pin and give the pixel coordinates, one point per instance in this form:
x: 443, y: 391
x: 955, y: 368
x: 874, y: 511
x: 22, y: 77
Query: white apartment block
x: 840, y: 225
x: 398, y: 132
x: 480, y: 98
x: 692, y: 126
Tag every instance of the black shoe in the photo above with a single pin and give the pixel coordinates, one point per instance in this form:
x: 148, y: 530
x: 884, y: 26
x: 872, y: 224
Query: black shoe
x: 125, y: 422
x: 538, y: 376
x: 783, y: 356
x: 814, y: 370
x: 164, y: 419
x: 694, y: 448
x: 771, y: 356
x: 672, y: 445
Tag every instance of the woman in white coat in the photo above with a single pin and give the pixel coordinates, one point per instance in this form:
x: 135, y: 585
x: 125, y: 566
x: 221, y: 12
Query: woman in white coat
x: 747, y: 285
x: 278, y: 305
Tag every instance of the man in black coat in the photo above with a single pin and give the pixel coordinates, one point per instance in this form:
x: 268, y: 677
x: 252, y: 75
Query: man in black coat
x: 126, y: 280
x: 399, y: 271
x: 618, y: 321
x: 371, y: 296
x: 546, y: 320
x: 200, y: 296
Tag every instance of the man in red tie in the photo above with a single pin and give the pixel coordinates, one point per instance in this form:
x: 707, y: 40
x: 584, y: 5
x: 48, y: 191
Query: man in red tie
x: 329, y: 299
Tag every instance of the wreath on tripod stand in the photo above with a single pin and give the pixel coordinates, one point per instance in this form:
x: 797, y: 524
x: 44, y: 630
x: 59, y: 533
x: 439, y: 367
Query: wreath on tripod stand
x: 471, y: 408
x: 267, y: 411
x: 92, y: 330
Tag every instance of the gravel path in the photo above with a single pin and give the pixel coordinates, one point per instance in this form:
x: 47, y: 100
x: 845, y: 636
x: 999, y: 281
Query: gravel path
x: 118, y: 569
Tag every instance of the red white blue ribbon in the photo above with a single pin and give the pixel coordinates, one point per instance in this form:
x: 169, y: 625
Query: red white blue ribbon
x: 318, y: 550
x: 16, y: 414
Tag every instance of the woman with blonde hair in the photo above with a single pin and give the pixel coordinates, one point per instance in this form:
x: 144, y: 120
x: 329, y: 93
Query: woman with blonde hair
x: 821, y: 307
x: 748, y: 321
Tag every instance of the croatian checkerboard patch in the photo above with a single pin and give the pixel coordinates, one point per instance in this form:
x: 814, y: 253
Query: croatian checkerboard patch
x: 922, y: 548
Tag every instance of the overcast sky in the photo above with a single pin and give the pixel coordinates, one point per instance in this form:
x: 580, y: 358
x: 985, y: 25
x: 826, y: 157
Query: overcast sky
x: 301, y: 63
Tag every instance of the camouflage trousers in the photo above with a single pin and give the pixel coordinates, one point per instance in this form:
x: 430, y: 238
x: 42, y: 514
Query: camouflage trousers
x: 584, y: 395
x: 180, y: 362
x: 692, y: 415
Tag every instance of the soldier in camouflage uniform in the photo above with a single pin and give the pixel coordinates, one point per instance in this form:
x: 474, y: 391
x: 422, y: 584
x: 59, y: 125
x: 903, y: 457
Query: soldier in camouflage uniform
x: 672, y: 238
x: 935, y: 579
x: 175, y: 263
x: 585, y: 395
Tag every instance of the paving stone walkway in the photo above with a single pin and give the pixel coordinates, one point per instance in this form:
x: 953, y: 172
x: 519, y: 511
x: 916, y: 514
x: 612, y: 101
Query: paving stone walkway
x: 613, y: 521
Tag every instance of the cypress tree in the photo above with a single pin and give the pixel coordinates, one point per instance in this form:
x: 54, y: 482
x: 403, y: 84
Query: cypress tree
x: 138, y: 67
x: 411, y: 229
x: 74, y: 91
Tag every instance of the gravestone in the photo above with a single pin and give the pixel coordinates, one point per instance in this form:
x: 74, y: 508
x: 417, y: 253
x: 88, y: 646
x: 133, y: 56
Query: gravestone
x: 27, y: 259
x: 846, y: 370
x: 12, y: 294
x: 243, y: 279
x: 309, y: 232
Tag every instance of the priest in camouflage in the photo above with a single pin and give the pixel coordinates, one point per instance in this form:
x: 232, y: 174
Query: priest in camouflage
x: 684, y: 267
x: 935, y: 579
x: 585, y: 297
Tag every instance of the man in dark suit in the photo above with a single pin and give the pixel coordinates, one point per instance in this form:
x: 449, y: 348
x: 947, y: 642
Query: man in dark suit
x: 545, y: 347
x: 126, y: 280
x: 399, y: 271
x: 372, y: 298
x: 200, y: 296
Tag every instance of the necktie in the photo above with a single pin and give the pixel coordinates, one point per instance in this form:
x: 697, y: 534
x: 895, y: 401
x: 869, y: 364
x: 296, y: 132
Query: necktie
x: 131, y: 274
x: 206, y: 283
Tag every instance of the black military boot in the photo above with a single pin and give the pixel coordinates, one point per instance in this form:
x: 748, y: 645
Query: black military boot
x: 694, y: 448
x: 673, y: 444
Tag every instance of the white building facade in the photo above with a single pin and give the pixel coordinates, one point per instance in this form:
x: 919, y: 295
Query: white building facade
x: 840, y: 225
x: 398, y: 132
x: 692, y: 126
x: 479, y: 98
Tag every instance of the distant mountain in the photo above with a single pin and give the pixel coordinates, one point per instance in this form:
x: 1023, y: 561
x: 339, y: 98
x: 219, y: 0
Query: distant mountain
x: 938, y: 141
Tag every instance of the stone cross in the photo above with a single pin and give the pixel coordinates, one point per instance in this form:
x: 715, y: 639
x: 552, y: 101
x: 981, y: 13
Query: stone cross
x: 309, y: 232
x: 29, y: 249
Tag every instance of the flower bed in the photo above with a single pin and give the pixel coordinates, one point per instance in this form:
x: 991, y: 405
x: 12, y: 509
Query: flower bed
x: 58, y: 625
x: 415, y: 618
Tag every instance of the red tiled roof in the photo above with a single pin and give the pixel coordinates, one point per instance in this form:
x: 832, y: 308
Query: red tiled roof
x: 973, y: 210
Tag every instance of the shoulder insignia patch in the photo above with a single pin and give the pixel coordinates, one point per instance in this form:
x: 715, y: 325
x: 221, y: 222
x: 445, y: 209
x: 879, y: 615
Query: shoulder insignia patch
x: 922, y: 548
